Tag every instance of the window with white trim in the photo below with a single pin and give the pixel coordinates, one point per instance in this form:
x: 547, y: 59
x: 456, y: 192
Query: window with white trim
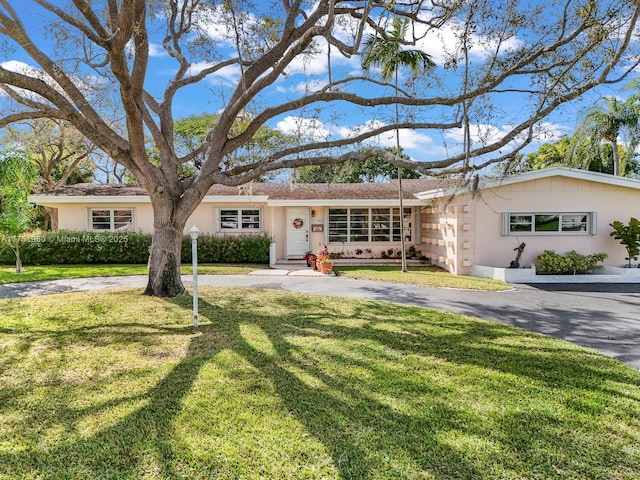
x: 238, y: 219
x: 111, y: 219
x: 549, y: 223
x: 363, y: 224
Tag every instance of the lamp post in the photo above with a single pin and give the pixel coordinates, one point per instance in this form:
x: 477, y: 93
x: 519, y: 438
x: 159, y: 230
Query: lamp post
x: 194, y: 232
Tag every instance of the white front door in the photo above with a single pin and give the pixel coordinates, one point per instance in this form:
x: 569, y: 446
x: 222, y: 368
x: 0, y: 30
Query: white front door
x: 298, y: 228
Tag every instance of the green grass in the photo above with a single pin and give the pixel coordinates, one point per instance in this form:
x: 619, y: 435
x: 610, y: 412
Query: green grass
x: 418, y: 275
x: 276, y: 385
x: 33, y: 273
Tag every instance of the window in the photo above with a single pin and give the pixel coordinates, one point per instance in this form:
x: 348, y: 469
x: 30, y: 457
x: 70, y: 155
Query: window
x: 549, y: 223
x: 240, y: 219
x: 368, y: 224
x: 111, y: 219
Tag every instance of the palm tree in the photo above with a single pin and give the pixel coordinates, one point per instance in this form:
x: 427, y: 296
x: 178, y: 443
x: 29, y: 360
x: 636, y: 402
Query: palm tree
x: 387, y: 53
x: 606, y: 124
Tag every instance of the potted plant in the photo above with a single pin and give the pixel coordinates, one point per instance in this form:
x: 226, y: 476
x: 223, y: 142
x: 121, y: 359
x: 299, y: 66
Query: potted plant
x: 310, y: 258
x: 322, y: 254
x: 326, y: 265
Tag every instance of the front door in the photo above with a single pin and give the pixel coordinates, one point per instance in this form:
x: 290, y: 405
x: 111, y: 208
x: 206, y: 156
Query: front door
x: 298, y: 229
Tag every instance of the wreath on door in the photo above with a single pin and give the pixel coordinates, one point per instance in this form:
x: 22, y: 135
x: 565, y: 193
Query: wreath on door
x: 298, y: 223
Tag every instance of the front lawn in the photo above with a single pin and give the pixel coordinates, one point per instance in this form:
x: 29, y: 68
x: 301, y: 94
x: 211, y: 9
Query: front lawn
x: 278, y: 385
x: 33, y: 273
x: 418, y: 275
x: 431, y: 276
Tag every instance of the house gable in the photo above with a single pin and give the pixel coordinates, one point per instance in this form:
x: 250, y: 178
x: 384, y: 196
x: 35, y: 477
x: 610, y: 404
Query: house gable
x: 491, y: 222
x: 543, y: 180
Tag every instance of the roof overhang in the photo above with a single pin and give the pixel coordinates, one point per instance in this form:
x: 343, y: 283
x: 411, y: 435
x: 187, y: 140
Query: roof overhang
x: 573, y: 173
x: 235, y: 199
x: 386, y: 202
x: 57, y: 200
x: 217, y: 199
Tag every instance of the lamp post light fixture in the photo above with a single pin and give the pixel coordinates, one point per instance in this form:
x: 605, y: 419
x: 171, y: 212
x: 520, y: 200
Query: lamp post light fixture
x: 194, y: 232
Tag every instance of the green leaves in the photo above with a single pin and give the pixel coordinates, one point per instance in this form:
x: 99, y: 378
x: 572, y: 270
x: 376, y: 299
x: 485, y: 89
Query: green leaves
x: 629, y: 236
x: 549, y: 262
x: 388, y: 53
x: 17, y: 173
x: 17, y: 176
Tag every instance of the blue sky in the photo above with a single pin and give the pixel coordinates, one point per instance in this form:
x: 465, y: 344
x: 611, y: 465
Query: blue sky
x: 343, y: 120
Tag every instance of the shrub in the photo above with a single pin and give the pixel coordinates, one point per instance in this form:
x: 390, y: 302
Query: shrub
x: 549, y: 262
x: 629, y: 236
x: 232, y: 249
x: 67, y: 247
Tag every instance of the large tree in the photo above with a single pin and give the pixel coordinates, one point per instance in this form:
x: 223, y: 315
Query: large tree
x: 74, y: 61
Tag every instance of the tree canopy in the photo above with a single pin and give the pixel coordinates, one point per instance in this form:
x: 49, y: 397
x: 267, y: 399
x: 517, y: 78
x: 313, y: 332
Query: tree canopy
x: 605, y: 123
x: 60, y: 153
x: 373, y: 169
x: 575, y: 151
x: 295, y: 66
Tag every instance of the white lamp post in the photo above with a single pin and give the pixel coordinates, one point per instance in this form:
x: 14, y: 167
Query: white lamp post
x: 194, y: 232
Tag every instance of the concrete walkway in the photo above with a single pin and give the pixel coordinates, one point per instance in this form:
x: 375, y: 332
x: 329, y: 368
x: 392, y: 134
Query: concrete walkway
x: 605, y: 317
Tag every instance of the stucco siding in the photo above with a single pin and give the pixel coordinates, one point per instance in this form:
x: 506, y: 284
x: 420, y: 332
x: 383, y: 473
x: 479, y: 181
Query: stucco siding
x: 556, y: 195
x: 76, y: 216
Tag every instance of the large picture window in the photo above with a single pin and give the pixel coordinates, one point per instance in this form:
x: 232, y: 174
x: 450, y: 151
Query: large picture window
x: 111, y: 219
x: 240, y: 219
x: 549, y: 223
x: 368, y: 225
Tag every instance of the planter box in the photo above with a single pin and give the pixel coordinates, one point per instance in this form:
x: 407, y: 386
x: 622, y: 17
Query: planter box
x: 528, y: 275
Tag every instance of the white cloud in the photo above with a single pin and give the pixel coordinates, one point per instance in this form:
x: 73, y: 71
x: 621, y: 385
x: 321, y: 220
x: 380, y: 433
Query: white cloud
x: 439, y: 44
x: 485, y: 134
x: 157, y: 50
x: 309, y: 129
x: 85, y: 84
x: 229, y: 74
x: 546, y: 132
x: 23, y: 68
x: 409, y: 138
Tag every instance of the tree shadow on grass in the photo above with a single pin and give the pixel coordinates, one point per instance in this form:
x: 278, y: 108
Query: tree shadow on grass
x: 370, y: 384
x: 118, y: 450
x: 378, y: 419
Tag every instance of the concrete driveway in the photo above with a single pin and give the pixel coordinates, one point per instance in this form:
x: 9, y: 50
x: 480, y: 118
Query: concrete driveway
x: 605, y: 317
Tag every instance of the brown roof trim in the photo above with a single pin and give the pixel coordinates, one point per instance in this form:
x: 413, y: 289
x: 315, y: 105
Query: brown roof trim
x: 274, y: 191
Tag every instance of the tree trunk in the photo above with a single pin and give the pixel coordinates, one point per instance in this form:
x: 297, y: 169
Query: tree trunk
x: 53, y: 218
x: 17, y: 252
x: 616, y: 158
x: 164, y: 258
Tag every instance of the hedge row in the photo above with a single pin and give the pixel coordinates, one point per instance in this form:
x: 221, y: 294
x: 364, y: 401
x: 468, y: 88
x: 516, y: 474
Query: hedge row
x: 66, y: 247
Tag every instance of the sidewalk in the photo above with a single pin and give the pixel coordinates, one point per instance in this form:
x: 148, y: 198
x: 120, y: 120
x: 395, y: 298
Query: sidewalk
x: 301, y: 272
